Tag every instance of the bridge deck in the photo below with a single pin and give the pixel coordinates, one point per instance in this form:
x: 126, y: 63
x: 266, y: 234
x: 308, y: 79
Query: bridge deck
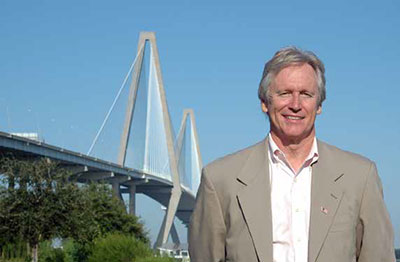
x: 89, y: 168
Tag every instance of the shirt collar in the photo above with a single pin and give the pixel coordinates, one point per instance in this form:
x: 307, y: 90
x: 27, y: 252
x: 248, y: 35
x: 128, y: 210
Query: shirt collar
x: 276, y: 155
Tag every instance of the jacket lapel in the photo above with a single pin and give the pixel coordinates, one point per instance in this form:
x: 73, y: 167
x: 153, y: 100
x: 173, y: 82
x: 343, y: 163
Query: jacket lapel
x: 255, y: 200
x: 325, y: 199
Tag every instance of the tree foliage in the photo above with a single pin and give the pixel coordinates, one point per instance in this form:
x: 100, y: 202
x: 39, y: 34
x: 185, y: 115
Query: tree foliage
x: 104, y: 214
x: 35, y: 201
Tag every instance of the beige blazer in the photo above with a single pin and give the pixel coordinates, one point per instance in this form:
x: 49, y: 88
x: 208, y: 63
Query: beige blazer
x: 232, y: 216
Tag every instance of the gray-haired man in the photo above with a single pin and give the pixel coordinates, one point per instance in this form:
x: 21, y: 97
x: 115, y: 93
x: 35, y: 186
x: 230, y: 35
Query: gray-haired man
x: 291, y: 197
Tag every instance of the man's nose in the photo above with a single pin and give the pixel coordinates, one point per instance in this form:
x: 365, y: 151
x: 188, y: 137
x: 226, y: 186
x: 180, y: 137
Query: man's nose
x: 295, y: 103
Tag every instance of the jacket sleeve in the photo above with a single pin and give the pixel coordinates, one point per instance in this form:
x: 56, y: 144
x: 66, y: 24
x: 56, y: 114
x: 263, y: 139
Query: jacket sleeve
x: 375, y: 232
x: 207, y: 229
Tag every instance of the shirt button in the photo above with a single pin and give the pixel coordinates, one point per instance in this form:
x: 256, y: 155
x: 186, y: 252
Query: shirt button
x: 299, y: 240
x: 297, y: 210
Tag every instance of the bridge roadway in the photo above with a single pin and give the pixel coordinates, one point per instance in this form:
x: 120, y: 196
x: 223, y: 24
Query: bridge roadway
x: 86, y: 168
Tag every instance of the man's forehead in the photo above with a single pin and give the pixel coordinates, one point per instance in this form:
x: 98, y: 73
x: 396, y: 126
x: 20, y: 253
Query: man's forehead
x: 296, y: 73
x: 297, y: 65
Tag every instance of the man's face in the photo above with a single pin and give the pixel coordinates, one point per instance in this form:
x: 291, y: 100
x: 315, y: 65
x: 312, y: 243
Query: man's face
x: 292, y: 105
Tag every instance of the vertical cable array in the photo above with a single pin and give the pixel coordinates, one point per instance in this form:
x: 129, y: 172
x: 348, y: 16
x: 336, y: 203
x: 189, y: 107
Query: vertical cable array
x: 156, y: 159
x: 187, y: 151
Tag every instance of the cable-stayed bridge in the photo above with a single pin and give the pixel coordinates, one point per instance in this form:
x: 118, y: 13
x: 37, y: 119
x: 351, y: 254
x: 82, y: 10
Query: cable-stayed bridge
x: 151, y: 159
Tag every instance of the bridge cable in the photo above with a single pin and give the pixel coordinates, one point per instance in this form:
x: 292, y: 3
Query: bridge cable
x: 115, y: 101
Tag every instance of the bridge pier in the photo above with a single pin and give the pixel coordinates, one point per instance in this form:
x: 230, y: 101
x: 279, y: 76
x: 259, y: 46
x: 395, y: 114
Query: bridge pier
x: 168, y: 221
x: 117, y: 190
x: 174, y: 234
x: 132, y: 199
x: 131, y: 190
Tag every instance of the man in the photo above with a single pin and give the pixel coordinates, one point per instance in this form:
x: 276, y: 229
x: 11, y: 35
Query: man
x: 291, y: 197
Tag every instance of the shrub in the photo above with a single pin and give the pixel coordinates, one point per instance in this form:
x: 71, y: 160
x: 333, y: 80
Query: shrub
x: 156, y: 259
x: 14, y: 251
x: 49, y: 254
x: 69, y: 247
x: 119, y: 248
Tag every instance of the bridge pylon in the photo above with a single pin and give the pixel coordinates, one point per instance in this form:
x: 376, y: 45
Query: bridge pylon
x: 189, y: 169
x: 157, y: 110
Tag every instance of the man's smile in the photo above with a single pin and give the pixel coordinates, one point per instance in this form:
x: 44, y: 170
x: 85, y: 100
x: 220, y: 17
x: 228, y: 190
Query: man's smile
x: 291, y: 117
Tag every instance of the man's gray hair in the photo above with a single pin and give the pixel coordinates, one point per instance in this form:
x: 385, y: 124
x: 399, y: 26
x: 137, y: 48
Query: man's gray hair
x: 288, y: 56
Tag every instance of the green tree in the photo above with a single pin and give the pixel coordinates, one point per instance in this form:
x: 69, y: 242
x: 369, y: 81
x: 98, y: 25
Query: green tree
x: 35, y: 201
x: 103, y: 214
x: 109, y: 213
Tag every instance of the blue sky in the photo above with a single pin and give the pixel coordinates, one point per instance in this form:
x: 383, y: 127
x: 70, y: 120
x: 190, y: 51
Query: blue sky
x: 62, y: 62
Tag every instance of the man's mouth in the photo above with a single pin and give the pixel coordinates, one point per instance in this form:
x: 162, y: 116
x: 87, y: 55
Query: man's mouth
x: 293, y: 117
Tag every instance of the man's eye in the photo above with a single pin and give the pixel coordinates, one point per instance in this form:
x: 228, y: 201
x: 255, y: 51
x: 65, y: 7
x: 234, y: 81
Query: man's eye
x: 306, y: 94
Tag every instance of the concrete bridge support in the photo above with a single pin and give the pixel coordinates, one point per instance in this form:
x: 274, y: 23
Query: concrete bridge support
x: 167, y: 225
x: 132, y: 199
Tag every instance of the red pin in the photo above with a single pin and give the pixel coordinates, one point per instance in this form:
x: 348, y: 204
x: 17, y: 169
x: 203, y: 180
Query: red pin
x: 324, y: 210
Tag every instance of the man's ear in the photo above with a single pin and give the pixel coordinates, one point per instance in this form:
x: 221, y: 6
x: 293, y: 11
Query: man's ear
x: 264, y: 107
x: 319, y: 110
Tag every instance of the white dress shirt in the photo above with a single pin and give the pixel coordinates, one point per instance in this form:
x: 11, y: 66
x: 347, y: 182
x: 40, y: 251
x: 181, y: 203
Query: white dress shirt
x: 290, y: 204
